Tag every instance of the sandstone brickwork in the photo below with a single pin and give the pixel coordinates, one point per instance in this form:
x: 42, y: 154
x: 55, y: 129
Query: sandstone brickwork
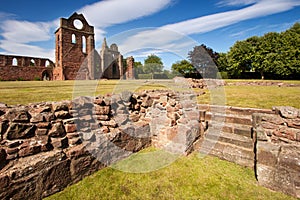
x: 48, y: 146
x: 277, y: 139
x: 76, y: 57
x: 25, y: 68
x: 45, y: 147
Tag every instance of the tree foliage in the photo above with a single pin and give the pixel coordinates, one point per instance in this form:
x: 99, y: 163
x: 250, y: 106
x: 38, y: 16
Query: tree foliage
x: 204, y: 60
x: 273, y: 53
x: 153, y: 64
x: 183, y: 68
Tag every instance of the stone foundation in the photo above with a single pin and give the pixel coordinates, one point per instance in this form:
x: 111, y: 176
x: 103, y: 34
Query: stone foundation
x: 277, y: 152
x: 47, y: 146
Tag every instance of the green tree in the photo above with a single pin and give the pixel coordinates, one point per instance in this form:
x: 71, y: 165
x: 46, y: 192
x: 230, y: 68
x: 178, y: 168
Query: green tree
x: 153, y: 64
x: 138, y: 68
x: 277, y: 54
x: 204, y: 60
x: 183, y: 67
x: 222, y: 62
x: 240, y: 57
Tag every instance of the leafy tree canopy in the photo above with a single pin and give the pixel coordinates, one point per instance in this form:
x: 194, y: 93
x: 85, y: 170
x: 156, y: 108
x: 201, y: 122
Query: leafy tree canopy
x: 273, y: 53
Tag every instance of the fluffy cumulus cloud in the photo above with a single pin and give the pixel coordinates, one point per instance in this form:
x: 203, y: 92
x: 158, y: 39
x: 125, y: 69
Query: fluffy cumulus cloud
x: 24, y: 31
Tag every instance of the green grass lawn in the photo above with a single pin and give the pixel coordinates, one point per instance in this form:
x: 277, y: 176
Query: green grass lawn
x: 24, y: 92
x: 258, y: 96
x: 188, y: 177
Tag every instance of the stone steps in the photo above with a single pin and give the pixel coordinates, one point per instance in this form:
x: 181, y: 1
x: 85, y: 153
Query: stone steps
x: 232, y: 128
x: 229, y: 133
x: 229, y: 118
x: 227, y: 151
x: 234, y: 139
x: 233, y: 110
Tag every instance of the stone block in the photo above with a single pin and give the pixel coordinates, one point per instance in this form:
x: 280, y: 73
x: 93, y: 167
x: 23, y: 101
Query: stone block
x: 55, y: 178
x: 3, y: 157
x: 267, y: 153
x: 38, y: 117
x: 20, y: 131
x: 44, y: 125
x: 30, y: 150
x: 102, y: 117
x: 22, y: 117
x: 57, y: 106
x: 41, y: 131
x: 110, y: 123
x: 60, y: 143
x: 289, y: 158
x: 11, y: 151
x: 70, y: 128
x: 102, y: 110
x: 57, y: 130
x: 62, y: 114
x: 74, y: 141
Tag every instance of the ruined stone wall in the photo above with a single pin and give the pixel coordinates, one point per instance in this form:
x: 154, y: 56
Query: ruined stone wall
x: 45, y: 147
x: 72, y: 45
x: 24, y: 68
x: 277, y: 150
x: 266, y: 140
x: 48, y: 146
x: 130, y: 68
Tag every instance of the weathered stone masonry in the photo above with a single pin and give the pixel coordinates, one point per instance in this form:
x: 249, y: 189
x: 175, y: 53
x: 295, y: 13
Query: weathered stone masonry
x: 47, y: 146
x: 277, y: 152
x: 75, y: 57
x: 25, y: 68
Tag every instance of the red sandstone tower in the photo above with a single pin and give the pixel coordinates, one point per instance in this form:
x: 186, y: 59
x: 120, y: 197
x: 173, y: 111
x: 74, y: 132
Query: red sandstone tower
x: 74, y: 42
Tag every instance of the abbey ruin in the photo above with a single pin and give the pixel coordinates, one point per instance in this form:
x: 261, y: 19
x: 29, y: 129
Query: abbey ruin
x: 75, y: 57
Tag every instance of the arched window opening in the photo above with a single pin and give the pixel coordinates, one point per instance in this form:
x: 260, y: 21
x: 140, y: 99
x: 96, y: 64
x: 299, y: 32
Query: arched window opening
x: 114, y: 69
x: 83, y: 44
x: 47, y: 63
x: 15, y: 62
x: 32, y: 62
x: 73, y: 38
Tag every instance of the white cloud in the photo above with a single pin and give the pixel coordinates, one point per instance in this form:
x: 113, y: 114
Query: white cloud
x: 245, y: 31
x: 24, y: 31
x: 215, y: 21
x: 18, y: 35
x: 159, y: 40
x: 236, y: 2
x: 26, y: 50
x: 173, y: 37
x: 107, y: 13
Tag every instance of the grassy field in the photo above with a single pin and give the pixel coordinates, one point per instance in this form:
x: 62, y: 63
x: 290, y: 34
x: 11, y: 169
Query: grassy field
x: 13, y: 93
x: 188, y: 177
x: 258, y: 96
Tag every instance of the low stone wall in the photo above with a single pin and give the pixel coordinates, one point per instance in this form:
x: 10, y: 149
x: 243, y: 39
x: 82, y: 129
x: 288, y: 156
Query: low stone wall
x: 48, y: 146
x: 277, y: 150
x: 30, y: 73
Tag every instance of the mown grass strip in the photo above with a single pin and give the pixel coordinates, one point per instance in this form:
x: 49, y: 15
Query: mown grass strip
x: 187, y: 178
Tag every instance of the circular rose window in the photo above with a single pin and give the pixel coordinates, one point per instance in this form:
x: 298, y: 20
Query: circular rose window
x: 77, y: 24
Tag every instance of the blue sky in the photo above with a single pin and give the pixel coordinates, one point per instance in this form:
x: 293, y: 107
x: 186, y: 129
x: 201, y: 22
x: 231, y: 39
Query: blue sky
x: 167, y: 28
